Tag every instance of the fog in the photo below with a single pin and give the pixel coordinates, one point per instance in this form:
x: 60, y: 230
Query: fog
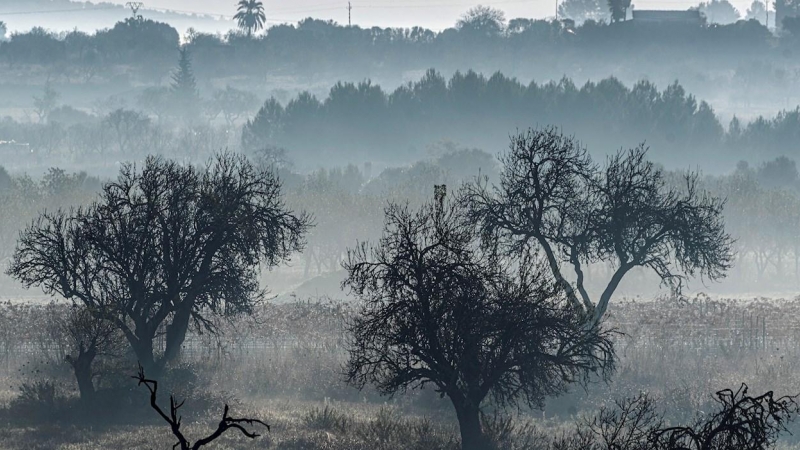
x: 445, y: 226
x: 436, y: 15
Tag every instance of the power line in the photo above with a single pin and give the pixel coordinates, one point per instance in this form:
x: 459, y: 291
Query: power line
x: 396, y: 5
x: 60, y: 11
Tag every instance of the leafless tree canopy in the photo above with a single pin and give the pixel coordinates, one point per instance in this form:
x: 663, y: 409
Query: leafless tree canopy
x: 552, y: 197
x: 443, y: 308
x: 165, y: 246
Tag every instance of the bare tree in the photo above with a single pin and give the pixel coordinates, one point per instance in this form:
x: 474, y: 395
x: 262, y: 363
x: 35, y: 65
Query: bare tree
x: 45, y: 103
x: 89, y: 338
x: 164, y: 248
x: 741, y: 422
x: 442, y: 308
x: 629, y: 425
x: 552, y: 197
x: 129, y: 128
x: 233, y: 104
x: 174, y: 420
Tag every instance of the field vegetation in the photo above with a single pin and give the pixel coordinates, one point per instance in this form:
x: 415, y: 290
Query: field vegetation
x: 287, y: 371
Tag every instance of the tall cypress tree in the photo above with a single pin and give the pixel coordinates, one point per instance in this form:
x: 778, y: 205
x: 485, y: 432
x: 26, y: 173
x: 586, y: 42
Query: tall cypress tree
x: 184, y: 85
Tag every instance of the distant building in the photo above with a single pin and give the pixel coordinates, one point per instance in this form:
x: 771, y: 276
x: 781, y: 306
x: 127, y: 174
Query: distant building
x: 665, y: 17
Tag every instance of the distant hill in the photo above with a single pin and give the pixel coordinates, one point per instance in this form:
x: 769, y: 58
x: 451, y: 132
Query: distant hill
x: 63, y: 15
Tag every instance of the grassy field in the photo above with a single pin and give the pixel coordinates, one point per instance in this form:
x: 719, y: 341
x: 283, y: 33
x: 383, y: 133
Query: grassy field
x: 287, y: 372
x: 294, y: 425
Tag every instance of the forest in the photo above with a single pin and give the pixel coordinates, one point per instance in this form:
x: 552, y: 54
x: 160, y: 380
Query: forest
x: 738, y: 66
x: 508, y: 234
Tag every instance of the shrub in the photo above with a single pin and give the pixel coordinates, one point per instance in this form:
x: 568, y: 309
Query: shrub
x: 385, y: 428
x: 426, y: 436
x: 326, y: 419
x: 38, y: 402
x: 507, y: 434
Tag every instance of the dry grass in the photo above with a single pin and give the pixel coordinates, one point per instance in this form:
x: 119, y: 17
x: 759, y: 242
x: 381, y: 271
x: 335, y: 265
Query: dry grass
x: 367, y: 427
x: 680, y: 352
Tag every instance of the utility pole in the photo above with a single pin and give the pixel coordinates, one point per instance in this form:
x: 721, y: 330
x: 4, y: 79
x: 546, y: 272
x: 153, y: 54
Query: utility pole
x: 135, y: 7
x: 349, y: 14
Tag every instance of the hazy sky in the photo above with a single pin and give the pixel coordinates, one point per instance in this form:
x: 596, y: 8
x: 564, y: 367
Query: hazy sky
x: 435, y: 14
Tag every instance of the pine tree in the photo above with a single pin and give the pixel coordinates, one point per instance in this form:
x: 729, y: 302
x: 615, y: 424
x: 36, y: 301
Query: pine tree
x: 184, y: 85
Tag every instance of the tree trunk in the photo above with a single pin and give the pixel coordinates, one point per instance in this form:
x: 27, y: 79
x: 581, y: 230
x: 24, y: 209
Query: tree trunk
x: 176, y: 334
x: 82, y: 367
x: 83, y: 374
x: 605, y: 297
x: 143, y: 348
x: 469, y: 424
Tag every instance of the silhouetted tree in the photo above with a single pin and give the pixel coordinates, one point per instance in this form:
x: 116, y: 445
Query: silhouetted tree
x: 778, y: 173
x: 6, y: 182
x: 785, y: 8
x: 156, y: 101
x: 128, y: 127
x: 442, y: 307
x: 792, y: 26
x: 233, y: 103
x: 757, y: 11
x: 552, y: 197
x: 265, y: 128
x: 148, y: 45
x: 89, y: 338
x: 3, y: 30
x: 166, y: 247
x: 740, y: 422
x: 618, y: 9
x: 184, y: 85
x: 719, y: 11
x: 250, y: 16
x: 483, y: 20
x: 45, y: 103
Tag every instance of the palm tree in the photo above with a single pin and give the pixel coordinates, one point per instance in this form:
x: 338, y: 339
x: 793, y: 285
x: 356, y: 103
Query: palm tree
x: 250, y: 15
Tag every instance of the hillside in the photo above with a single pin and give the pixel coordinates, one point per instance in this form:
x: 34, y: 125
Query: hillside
x: 64, y: 15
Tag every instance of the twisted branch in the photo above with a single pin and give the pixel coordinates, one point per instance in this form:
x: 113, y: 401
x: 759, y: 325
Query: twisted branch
x: 174, y: 420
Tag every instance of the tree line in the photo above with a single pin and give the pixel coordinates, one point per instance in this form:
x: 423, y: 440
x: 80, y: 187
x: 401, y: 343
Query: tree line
x: 482, y: 39
x: 395, y: 126
x: 361, y: 120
